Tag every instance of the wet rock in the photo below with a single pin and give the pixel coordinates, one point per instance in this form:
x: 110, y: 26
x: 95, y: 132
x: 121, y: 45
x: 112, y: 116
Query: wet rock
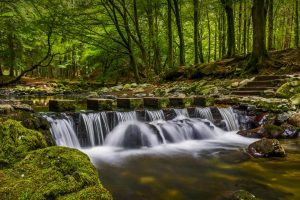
x: 282, y: 118
x: 100, y: 104
x: 130, y: 103
x: 61, y: 105
x: 295, y: 120
x: 6, y: 109
x: 53, y: 173
x: 266, y: 148
x: 17, y: 141
x: 243, y: 195
x: 42, y: 125
x: 266, y: 131
x: 290, y: 132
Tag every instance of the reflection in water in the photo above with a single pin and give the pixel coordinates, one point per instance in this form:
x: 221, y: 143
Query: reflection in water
x: 190, y: 171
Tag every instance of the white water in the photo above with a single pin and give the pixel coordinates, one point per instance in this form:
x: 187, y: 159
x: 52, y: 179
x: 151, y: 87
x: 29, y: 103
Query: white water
x: 126, y: 116
x: 204, y: 113
x: 182, y: 112
x: 230, y: 118
x: 63, y: 133
x: 155, y: 115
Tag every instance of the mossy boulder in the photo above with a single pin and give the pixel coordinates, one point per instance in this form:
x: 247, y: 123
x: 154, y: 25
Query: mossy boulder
x: 288, y: 89
x: 266, y: 131
x: 40, y: 124
x: 266, y: 148
x: 52, y: 173
x: 243, y: 195
x: 17, y: 141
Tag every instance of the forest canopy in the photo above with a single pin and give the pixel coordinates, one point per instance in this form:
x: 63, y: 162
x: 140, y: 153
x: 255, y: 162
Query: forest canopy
x: 108, y: 40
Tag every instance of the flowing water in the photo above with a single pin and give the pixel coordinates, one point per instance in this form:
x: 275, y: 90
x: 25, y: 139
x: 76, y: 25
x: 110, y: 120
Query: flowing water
x: 183, y: 158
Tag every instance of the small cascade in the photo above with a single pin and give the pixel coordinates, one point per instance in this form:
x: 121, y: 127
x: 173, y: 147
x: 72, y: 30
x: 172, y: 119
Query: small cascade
x: 155, y: 115
x: 126, y: 116
x: 132, y: 134
x: 63, y: 131
x: 95, y: 126
x: 182, y: 112
x: 230, y: 118
x: 204, y: 113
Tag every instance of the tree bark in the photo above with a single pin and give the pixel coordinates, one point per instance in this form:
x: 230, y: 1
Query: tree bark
x: 180, y: 32
x: 12, y: 53
x: 209, y: 36
x: 259, y: 52
x: 230, y: 27
x: 170, y: 35
x: 196, y: 31
x: 270, y: 25
x: 297, y: 24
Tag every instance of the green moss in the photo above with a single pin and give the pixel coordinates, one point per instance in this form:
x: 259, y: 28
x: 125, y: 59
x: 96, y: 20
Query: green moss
x: 243, y: 195
x: 52, y: 173
x: 273, y: 131
x: 16, y: 142
x: 288, y: 90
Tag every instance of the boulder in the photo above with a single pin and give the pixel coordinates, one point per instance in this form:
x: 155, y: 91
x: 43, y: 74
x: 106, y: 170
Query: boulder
x: 17, y: 141
x: 53, y: 173
x: 295, y: 100
x: 62, y: 105
x: 6, y: 109
x: 266, y: 131
x: 288, y: 89
x: 295, y: 120
x: 266, y: 148
x: 243, y: 195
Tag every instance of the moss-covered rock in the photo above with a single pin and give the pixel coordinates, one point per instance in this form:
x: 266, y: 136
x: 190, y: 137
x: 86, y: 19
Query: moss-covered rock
x: 17, y: 141
x: 288, y: 89
x: 266, y: 148
x: 40, y: 124
x: 52, y: 173
x: 243, y: 195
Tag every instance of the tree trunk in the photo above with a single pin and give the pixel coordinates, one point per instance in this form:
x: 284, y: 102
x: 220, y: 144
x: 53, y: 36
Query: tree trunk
x: 1, y: 72
x: 230, y: 28
x: 297, y: 24
x: 245, y: 28
x: 240, y: 26
x: 270, y: 25
x: 196, y: 31
x: 180, y: 33
x: 209, y: 36
x: 12, y: 54
x: 259, y: 52
x: 157, y: 60
x: 170, y: 35
x: 150, y: 32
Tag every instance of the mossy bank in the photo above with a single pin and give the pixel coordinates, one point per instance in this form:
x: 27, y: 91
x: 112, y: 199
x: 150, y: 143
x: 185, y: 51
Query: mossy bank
x: 31, y: 170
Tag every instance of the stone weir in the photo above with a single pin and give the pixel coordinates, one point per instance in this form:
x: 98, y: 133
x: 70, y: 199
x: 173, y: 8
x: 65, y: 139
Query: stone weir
x: 98, y: 104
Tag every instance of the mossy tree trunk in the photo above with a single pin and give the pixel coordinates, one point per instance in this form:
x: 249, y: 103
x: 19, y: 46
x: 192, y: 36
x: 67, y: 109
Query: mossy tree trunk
x: 180, y: 32
x: 196, y: 31
x: 228, y: 6
x: 259, y: 52
x: 270, y: 25
x: 297, y: 24
x: 170, y: 35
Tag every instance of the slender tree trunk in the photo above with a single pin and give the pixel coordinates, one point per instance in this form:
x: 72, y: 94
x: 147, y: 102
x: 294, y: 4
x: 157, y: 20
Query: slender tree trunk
x: 150, y: 32
x: 240, y: 26
x: 201, y: 56
x: 259, y: 52
x: 12, y: 54
x: 228, y: 5
x: 245, y: 28
x: 209, y: 36
x: 170, y: 35
x: 157, y: 60
x: 1, y: 72
x: 196, y: 31
x: 270, y: 25
x: 297, y: 24
x: 180, y: 32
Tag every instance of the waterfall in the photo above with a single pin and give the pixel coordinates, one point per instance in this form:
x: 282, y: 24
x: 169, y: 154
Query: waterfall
x: 182, y: 112
x: 63, y: 131
x: 155, y: 115
x: 204, y: 113
x: 126, y: 116
x: 95, y: 125
x: 230, y: 118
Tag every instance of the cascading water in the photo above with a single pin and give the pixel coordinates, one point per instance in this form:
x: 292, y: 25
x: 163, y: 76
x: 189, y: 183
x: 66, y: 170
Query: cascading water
x: 182, y: 112
x: 63, y: 131
x: 93, y: 129
x: 155, y: 115
x: 230, y: 118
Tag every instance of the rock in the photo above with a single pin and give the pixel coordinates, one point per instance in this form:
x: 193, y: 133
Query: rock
x: 181, y: 102
x: 61, y: 105
x: 141, y: 95
x: 92, y: 95
x: 243, y: 195
x: 245, y: 82
x: 138, y: 90
x: 130, y: 103
x: 156, y: 102
x: 53, y: 173
x: 290, y: 132
x: 23, y: 107
x: 134, y: 85
x: 295, y: 100
x: 266, y: 148
x: 203, y: 101
x: 6, y: 109
x: 235, y: 84
x: 266, y: 131
x: 288, y: 89
x: 101, y: 104
x: 295, y: 120
x: 41, y: 125
x: 17, y: 141
x: 282, y: 118
x: 127, y: 86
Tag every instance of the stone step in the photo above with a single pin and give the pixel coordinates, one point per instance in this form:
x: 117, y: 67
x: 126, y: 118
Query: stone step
x: 130, y: 103
x: 269, y: 77
x: 62, y: 106
x: 181, y: 102
x: 156, y: 102
x: 247, y: 93
x: 270, y: 83
x: 255, y: 88
x: 100, y: 104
